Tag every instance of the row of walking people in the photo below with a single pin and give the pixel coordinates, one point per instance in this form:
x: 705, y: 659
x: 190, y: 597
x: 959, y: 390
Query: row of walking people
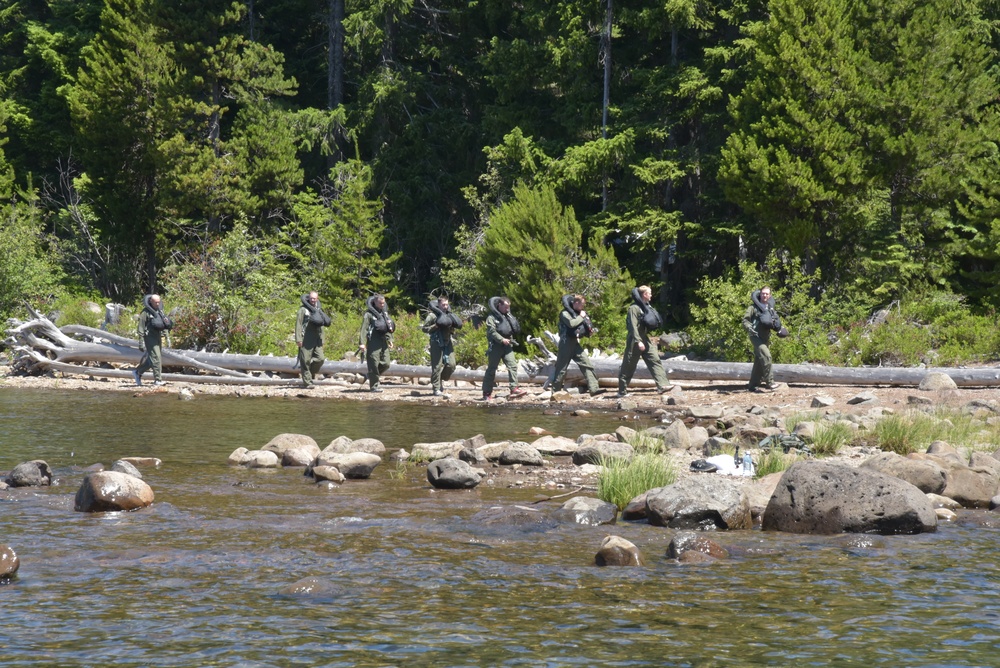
x: 502, y: 328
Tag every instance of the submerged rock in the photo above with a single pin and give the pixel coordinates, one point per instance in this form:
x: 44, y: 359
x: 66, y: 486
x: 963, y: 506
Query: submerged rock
x: 588, y: 511
x: 451, y: 473
x: 35, y: 473
x: 616, y: 551
x: 9, y: 563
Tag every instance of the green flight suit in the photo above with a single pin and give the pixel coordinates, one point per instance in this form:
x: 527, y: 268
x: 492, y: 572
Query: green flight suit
x: 309, y: 339
x: 760, y: 337
x: 637, y: 332
x: 442, y: 349
x: 495, y: 352
x: 377, y: 345
x: 571, y: 350
x: 151, y: 342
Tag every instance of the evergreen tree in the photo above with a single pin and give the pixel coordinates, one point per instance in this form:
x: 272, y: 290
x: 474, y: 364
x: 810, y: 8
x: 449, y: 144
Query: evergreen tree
x: 118, y: 109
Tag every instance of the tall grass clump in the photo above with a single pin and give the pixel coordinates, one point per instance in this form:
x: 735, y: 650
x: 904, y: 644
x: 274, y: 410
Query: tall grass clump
x: 643, y: 441
x: 773, y: 461
x: 621, y: 480
x: 907, y: 433
x: 830, y: 437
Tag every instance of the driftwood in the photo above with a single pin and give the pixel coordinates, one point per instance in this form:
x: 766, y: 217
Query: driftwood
x: 39, y: 345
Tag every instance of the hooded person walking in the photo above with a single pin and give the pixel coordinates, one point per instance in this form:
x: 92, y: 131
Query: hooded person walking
x: 309, y: 324
x: 375, y: 339
x: 152, y: 323
x: 439, y: 324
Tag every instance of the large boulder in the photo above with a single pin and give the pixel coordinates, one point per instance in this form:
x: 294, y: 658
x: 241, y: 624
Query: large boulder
x: 588, y: 511
x: 676, y: 436
x: 555, y: 446
x: 698, y: 503
x: 354, y: 465
x: 261, y: 459
x: 304, y: 446
x: 973, y: 487
x: 372, y: 446
x: 35, y: 473
x: 759, y: 493
x: 594, y: 452
x: 451, y: 473
x: 521, y: 453
x: 924, y: 474
x: 112, y: 491
x: 434, y: 451
x: 9, y: 563
x: 616, y: 551
x: 816, y: 497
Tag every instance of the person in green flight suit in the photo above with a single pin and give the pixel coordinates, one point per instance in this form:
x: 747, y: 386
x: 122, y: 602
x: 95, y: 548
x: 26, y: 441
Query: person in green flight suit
x: 760, y: 318
x: 309, y: 324
x: 640, y: 319
x: 574, y: 324
x: 501, y: 328
x: 376, y: 339
x: 152, y: 323
x: 439, y: 324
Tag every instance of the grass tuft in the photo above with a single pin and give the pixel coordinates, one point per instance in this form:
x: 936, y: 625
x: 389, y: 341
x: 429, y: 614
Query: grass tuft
x: 622, y: 480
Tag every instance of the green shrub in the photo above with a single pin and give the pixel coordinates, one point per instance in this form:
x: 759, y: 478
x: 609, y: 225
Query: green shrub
x: 470, y: 345
x: 622, y: 480
x: 411, y: 344
x: 74, y: 310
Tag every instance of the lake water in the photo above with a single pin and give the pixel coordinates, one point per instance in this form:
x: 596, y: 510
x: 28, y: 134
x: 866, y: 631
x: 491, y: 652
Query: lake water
x: 410, y: 578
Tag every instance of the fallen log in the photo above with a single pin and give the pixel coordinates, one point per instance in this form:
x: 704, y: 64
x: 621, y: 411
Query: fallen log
x: 39, y: 345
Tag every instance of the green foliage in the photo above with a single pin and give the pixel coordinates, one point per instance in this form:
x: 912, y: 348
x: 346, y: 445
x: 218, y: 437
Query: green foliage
x: 411, y: 343
x: 914, y: 431
x: 470, y: 345
x: 28, y: 272
x: 717, y: 329
x: 621, y: 480
x: 335, y: 240
x: 532, y: 252
x: 235, y: 296
x: 74, y: 310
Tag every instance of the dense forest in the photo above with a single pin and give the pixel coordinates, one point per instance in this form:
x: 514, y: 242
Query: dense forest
x: 235, y: 154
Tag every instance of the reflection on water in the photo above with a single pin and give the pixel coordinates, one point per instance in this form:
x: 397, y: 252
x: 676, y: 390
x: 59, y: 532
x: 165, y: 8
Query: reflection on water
x: 196, y: 579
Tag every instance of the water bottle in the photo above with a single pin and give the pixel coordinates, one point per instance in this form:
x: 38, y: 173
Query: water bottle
x: 747, y: 464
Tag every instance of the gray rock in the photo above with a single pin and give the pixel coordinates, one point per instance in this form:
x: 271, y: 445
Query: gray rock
x: 125, y: 467
x: 822, y: 401
x: 689, y: 541
x: 625, y: 434
x: 816, y: 497
x: 973, y: 487
x: 616, y: 551
x: 936, y: 381
x: 863, y: 398
x: 9, y: 563
x: 354, y: 465
x: 491, y: 451
x: 435, y: 451
x: 676, y: 436
x: 282, y: 442
x: 113, y: 491
x: 697, y: 436
x: 262, y: 459
x: 372, y: 446
x: 924, y: 474
x: 805, y: 429
x: 521, y: 453
x: 451, y: 473
x: 588, y: 511
x: 143, y: 462
x: 327, y: 474
x: 238, y: 457
x: 706, y: 412
x: 35, y: 473
x: 472, y: 457
x: 555, y: 446
x: 300, y: 455
x: 916, y: 400
x: 697, y: 503
x: 597, y: 451
x: 339, y: 446
x: 499, y: 519
x: 759, y: 493
x: 715, y: 445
